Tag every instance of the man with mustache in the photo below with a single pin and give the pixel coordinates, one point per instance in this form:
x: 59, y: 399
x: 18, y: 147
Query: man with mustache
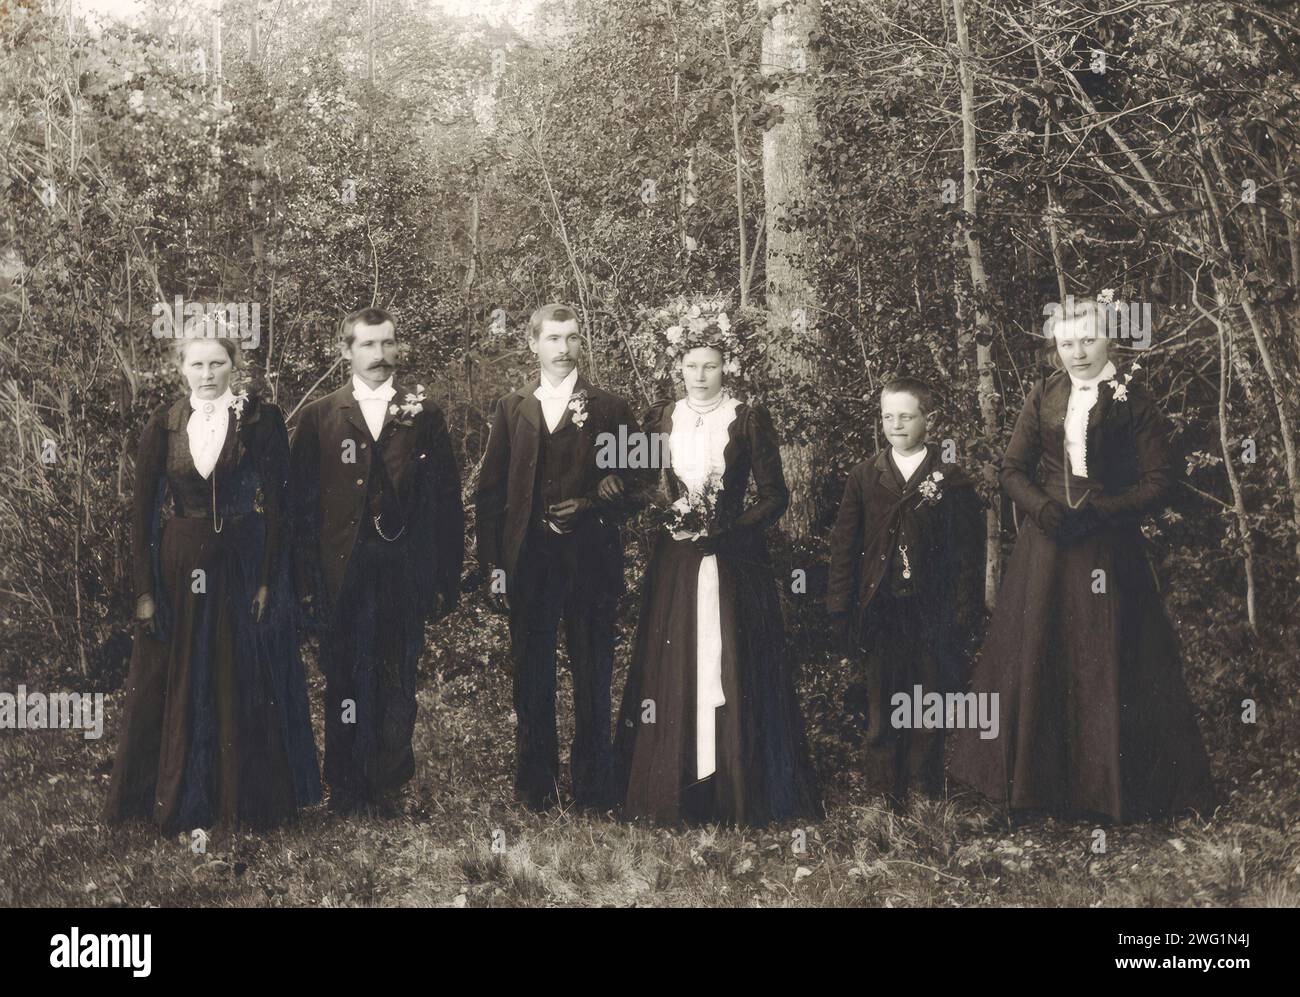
x: 380, y: 535
x: 548, y: 537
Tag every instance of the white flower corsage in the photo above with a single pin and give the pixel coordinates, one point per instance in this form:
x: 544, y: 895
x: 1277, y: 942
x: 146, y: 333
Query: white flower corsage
x: 413, y: 404
x: 1121, y: 390
x: 930, y: 489
x: 578, y: 406
x: 237, y: 403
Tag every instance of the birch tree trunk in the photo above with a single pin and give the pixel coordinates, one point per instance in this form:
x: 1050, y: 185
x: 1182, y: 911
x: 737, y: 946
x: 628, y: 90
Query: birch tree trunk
x: 983, y: 343
x: 790, y: 296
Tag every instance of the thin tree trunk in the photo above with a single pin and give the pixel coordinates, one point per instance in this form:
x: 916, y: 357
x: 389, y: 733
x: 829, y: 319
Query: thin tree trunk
x: 983, y: 342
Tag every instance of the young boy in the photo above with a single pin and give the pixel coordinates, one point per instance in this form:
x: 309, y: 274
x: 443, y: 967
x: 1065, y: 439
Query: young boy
x: 904, y: 588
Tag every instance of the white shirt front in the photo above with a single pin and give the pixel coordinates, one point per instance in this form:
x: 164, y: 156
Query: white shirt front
x: 907, y: 465
x: 1083, y: 396
x: 373, y: 402
x: 555, y: 399
x: 207, y: 429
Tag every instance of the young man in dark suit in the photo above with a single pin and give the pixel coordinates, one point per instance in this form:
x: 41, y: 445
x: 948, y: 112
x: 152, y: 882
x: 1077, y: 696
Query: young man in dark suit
x: 548, y: 539
x: 378, y: 547
x: 904, y: 588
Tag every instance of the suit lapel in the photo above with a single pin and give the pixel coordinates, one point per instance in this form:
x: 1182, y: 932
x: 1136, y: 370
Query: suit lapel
x: 885, y: 473
x: 531, y: 408
x: 351, y: 410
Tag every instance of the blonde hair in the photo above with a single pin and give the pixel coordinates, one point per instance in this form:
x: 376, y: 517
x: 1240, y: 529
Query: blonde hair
x: 1073, y: 310
x: 231, y: 347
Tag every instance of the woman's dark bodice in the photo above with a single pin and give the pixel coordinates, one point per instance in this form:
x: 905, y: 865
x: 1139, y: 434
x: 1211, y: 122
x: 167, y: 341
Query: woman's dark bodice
x: 250, y: 478
x: 752, y: 452
x: 1131, y: 467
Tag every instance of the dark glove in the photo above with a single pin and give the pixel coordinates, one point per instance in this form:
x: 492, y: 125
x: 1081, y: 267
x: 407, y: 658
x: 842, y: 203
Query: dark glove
x: 710, y: 543
x: 1051, y: 517
x: 1078, y: 524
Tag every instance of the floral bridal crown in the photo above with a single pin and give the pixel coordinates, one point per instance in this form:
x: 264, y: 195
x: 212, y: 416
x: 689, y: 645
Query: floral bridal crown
x: 664, y: 335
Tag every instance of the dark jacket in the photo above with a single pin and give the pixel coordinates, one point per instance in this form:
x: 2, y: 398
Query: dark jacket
x: 249, y: 479
x: 331, y: 495
x: 950, y: 554
x: 505, y: 499
x: 1127, y: 449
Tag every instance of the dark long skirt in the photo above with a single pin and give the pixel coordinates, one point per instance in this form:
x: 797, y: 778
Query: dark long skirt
x: 216, y: 727
x: 369, y: 654
x: 1095, y: 718
x: 763, y: 770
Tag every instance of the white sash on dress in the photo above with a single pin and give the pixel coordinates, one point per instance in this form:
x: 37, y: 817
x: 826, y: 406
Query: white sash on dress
x: 696, y: 452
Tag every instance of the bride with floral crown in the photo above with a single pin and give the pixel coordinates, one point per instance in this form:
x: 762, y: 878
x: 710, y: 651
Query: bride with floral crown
x: 710, y: 728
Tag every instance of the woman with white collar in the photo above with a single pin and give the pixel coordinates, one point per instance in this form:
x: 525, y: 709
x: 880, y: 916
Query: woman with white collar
x: 216, y: 728
x: 710, y: 728
x: 1095, y: 719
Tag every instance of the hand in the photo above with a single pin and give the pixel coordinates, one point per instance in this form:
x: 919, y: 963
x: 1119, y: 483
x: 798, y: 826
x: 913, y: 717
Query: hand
x: 1050, y: 517
x: 610, y: 488
x: 562, y: 514
x: 708, y: 544
x: 261, y: 602
x: 446, y: 603
x: 145, y: 615
x: 307, y: 621
x: 1079, y: 523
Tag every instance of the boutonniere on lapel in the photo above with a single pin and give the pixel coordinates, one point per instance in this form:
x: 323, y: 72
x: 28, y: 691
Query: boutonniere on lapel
x: 237, y: 404
x: 578, y: 406
x: 409, y: 409
x: 1120, y: 390
x: 930, y: 489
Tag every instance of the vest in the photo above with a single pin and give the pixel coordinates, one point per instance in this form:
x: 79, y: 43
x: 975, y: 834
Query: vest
x: 561, y: 470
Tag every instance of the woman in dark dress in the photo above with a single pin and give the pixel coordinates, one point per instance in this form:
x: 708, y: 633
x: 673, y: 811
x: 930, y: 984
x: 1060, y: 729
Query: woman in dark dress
x: 1095, y: 717
x: 710, y: 727
x: 216, y: 729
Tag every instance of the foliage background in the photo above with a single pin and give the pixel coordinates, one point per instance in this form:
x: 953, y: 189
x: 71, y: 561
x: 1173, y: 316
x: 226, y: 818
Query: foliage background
x: 499, y: 165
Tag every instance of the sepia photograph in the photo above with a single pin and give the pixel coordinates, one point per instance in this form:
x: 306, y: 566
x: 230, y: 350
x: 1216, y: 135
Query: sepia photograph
x: 650, y: 454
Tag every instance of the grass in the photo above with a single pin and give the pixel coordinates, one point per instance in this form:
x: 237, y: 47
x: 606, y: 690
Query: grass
x: 463, y: 842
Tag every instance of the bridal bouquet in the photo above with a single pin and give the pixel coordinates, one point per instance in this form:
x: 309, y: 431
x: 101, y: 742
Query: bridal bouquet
x: 692, y: 515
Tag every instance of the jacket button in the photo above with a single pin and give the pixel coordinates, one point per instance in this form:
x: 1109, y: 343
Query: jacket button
x: 882, y: 557
x: 360, y: 482
x: 364, y: 445
x: 352, y: 521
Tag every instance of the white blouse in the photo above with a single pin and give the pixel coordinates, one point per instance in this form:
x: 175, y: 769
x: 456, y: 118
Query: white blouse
x: 207, y: 429
x: 1084, y: 393
x: 698, y: 440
